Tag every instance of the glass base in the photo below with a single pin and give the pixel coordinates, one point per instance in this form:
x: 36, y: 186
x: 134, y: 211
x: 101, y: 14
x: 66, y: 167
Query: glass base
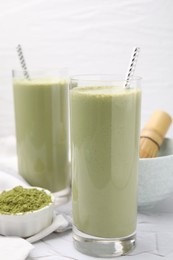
x: 103, y: 247
x: 63, y: 196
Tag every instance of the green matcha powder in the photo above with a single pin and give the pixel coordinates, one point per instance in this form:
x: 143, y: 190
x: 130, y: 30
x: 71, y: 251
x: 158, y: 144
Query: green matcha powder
x: 21, y: 200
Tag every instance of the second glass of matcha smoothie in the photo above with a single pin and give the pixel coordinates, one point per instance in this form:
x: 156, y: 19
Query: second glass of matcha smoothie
x: 42, y: 129
x: 105, y: 125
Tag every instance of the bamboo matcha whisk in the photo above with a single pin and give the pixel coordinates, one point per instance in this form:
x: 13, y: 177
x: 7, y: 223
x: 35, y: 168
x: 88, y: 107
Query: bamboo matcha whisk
x: 153, y: 133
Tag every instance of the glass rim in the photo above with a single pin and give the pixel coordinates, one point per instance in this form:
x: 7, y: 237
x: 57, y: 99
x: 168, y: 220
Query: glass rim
x: 61, y: 72
x: 40, y: 70
x: 101, y: 77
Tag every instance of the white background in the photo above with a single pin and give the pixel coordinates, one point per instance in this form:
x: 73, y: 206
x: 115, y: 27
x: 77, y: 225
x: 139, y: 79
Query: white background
x: 89, y: 36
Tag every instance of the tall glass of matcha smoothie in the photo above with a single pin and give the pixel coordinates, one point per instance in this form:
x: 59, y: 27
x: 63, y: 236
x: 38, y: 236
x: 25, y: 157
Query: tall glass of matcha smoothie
x: 42, y: 129
x: 105, y: 124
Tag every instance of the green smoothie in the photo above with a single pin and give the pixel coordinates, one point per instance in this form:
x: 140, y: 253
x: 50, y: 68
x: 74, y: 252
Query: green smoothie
x: 105, y: 125
x: 41, y: 115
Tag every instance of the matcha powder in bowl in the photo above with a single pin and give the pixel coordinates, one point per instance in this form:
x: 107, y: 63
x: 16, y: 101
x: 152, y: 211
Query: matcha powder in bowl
x: 21, y: 200
x: 25, y: 211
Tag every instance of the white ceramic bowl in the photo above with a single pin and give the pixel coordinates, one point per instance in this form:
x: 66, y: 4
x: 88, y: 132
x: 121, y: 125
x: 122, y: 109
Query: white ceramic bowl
x: 156, y: 176
x: 29, y: 223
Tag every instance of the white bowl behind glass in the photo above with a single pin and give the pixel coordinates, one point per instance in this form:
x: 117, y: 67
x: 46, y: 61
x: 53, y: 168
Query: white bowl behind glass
x: 156, y: 176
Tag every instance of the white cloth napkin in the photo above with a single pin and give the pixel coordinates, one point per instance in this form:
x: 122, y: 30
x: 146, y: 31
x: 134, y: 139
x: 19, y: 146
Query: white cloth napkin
x: 14, y: 248
x: 7, y: 181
